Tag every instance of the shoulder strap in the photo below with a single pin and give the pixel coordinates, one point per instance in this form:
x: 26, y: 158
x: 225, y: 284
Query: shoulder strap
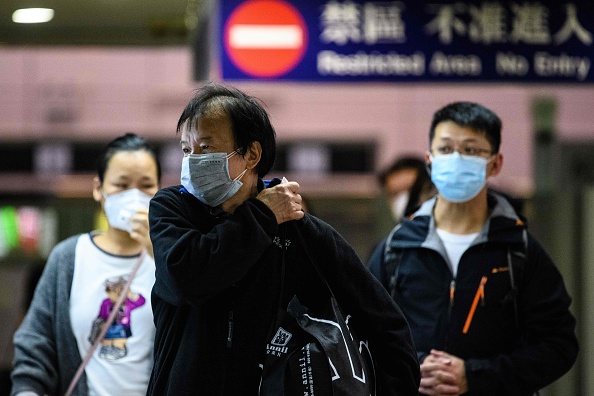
x: 312, y: 259
x: 391, y: 265
x: 516, y: 261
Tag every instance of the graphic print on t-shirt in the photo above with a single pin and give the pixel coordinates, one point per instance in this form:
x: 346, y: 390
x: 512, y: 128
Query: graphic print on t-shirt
x: 113, y: 345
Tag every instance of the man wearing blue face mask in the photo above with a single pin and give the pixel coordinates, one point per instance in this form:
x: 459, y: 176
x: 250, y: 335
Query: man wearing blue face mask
x: 486, y: 305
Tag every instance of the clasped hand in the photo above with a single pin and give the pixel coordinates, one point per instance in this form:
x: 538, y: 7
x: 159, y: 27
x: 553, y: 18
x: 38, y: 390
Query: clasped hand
x: 443, y: 374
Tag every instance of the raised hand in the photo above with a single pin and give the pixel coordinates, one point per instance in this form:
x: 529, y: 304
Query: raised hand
x: 284, y: 200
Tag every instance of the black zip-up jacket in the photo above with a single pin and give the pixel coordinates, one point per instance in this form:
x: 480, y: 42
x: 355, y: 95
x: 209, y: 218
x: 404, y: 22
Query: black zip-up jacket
x: 503, y: 356
x: 217, y: 288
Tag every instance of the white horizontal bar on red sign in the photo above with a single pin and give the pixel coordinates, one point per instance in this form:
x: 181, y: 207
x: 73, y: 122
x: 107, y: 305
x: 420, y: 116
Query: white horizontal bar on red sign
x: 266, y: 36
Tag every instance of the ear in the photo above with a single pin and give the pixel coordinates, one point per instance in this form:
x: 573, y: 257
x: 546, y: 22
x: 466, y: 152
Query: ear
x: 253, y: 155
x: 496, y: 165
x: 97, y: 194
x: 428, y: 157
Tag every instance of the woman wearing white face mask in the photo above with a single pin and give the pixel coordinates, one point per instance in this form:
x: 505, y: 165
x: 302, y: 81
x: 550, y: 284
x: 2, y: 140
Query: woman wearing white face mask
x: 84, y: 277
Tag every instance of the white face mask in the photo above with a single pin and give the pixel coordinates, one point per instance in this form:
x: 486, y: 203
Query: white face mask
x: 120, y: 207
x: 399, y: 204
x: 206, y: 176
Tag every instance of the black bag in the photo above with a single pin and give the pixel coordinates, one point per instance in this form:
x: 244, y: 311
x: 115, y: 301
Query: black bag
x: 316, y: 353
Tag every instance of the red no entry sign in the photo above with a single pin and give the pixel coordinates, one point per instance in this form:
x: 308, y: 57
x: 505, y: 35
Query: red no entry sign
x: 265, y: 38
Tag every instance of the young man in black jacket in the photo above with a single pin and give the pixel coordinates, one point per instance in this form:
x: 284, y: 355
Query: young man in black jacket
x: 217, y: 241
x: 486, y: 305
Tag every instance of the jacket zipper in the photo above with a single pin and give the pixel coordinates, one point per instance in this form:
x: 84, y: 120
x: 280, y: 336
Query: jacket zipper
x: 230, y: 324
x: 450, y: 307
x: 452, y: 290
x: 230, y: 330
x: 480, y: 295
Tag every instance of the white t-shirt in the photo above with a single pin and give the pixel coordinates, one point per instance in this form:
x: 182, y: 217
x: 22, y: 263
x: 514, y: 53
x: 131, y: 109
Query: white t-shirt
x: 455, y: 245
x: 122, y: 363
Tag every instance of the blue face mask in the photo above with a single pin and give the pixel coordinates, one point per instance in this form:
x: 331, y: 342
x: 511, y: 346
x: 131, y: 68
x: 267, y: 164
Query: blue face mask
x: 206, y: 176
x: 458, y: 178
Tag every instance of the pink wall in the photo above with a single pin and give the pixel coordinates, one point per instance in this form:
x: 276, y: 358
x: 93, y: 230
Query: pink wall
x: 98, y: 93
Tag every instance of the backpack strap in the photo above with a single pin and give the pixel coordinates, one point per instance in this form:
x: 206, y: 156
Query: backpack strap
x: 391, y: 265
x: 516, y: 261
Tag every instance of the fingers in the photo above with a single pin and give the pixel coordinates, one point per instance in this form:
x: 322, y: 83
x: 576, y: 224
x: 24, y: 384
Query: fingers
x: 437, y: 377
x: 291, y: 186
x: 454, y: 365
x: 284, y: 200
x: 440, y: 390
x: 297, y: 215
x: 440, y: 354
x: 140, y: 230
x: 139, y: 224
x: 295, y: 211
x: 439, y: 383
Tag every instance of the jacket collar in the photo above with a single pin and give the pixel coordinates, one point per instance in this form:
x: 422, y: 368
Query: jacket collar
x: 503, y: 225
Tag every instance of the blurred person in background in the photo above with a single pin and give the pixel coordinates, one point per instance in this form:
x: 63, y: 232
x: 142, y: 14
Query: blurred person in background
x: 406, y: 184
x: 54, y: 337
x: 487, y: 307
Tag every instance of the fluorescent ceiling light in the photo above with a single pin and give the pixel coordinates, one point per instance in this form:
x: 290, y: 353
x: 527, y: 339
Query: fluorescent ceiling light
x: 32, y: 15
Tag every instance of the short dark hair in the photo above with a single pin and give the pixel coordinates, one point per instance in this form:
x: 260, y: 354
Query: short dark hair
x: 472, y: 115
x: 127, y: 142
x: 249, y: 120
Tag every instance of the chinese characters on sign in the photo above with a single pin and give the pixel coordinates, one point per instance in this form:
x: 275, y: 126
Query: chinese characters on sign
x: 532, y: 41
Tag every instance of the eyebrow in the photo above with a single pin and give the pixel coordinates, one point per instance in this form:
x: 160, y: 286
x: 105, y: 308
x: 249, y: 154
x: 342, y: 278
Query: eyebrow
x: 126, y: 178
x: 465, y: 140
x: 204, y: 138
x: 119, y: 178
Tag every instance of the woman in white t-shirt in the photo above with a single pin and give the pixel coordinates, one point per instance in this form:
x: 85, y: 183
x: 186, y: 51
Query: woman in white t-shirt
x: 81, y: 282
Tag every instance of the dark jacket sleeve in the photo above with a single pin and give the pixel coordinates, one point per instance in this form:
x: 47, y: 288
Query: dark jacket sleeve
x: 35, y: 361
x: 361, y: 295
x: 46, y: 355
x: 549, y: 345
x: 197, y: 255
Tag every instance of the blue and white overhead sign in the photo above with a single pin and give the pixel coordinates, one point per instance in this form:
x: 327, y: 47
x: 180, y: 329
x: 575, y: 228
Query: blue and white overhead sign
x: 546, y: 41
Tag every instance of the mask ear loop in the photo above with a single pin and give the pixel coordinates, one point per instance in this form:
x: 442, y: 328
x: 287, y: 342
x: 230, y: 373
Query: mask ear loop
x: 231, y: 154
x: 240, y: 175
